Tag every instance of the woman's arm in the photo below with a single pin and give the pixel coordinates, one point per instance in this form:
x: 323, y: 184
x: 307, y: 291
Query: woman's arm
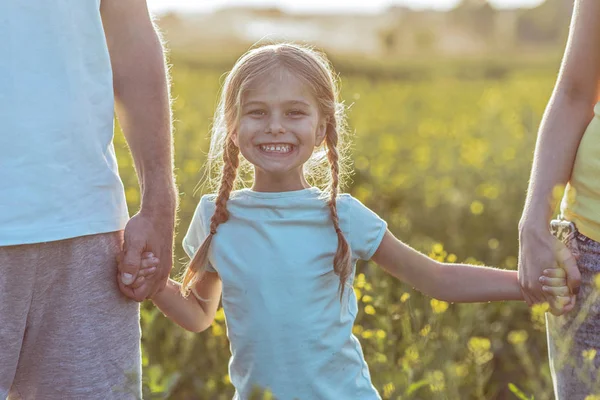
x: 444, y: 281
x: 189, y: 312
x: 568, y: 113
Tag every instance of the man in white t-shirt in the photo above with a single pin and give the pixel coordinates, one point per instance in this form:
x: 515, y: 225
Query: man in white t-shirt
x: 68, y: 328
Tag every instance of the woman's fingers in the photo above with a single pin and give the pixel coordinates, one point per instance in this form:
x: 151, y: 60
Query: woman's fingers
x: 560, y: 305
x: 557, y: 290
x: 568, y: 262
x: 572, y: 302
x: 553, y: 281
x: 563, y: 254
x: 555, y: 273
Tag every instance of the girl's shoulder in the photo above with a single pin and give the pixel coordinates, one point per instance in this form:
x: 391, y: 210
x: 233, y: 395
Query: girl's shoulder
x: 207, y: 204
x: 353, y: 212
x: 363, y: 228
x: 208, y: 198
x: 348, y: 203
x: 204, y: 209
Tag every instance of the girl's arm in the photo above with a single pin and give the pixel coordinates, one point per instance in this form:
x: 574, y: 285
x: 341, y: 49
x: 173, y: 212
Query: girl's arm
x: 470, y: 283
x: 568, y: 113
x: 447, y: 282
x: 190, y: 312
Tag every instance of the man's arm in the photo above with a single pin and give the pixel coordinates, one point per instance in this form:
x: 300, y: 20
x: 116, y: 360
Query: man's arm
x: 567, y: 115
x: 143, y: 109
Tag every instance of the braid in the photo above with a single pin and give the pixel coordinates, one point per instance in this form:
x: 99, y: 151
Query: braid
x: 197, y: 265
x: 342, y: 260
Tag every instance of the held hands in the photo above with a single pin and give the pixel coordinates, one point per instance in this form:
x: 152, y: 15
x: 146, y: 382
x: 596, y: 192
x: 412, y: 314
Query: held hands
x: 147, y: 231
x: 555, y: 281
x: 554, y: 284
x: 148, y: 267
x: 546, y: 261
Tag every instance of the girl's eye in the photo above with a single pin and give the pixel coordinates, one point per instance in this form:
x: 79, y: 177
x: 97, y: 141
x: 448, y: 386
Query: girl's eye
x: 295, y: 112
x: 256, y: 112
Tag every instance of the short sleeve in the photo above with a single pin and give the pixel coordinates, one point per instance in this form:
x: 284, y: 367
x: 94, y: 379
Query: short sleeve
x: 364, y: 228
x: 198, y: 230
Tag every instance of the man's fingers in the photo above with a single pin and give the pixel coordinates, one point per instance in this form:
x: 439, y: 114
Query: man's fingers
x: 146, y: 272
x: 139, y: 281
x: 137, y: 294
x: 150, y: 262
x: 131, y: 262
x: 126, y: 290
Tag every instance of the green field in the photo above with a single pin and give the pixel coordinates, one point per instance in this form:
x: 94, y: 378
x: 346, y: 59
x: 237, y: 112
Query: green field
x: 444, y: 158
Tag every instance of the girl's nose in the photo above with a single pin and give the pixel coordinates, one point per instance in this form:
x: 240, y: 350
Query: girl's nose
x: 274, y: 126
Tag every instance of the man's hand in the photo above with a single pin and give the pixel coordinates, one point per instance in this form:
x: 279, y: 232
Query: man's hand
x: 539, y: 250
x: 146, y: 233
x: 147, y: 270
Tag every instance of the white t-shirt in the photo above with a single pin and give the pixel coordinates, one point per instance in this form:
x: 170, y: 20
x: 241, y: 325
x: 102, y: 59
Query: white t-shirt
x: 58, y: 171
x: 288, y: 330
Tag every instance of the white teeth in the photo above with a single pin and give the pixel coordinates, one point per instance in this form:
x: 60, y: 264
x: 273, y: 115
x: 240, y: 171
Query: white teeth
x: 279, y: 148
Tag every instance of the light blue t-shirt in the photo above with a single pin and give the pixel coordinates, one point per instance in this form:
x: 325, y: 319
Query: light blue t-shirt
x: 288, y: 331
x: 58, y: 171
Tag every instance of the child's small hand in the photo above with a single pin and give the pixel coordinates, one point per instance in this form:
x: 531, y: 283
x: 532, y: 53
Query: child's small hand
x: 554, y: 283
x: 148, y: 268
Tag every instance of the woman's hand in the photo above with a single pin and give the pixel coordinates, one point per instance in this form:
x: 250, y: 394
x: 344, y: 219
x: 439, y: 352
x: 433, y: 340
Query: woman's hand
x: 554, y: 283
x: 539, y: 251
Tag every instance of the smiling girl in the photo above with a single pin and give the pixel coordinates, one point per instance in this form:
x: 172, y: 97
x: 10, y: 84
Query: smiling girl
x: 282, y: 253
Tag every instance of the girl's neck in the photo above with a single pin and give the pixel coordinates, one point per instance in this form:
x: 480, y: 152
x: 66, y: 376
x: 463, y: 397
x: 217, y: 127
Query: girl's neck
x: 270, y: 183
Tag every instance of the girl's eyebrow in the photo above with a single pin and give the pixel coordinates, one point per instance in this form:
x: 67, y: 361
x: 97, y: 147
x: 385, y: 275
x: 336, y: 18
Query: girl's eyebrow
x: 288, y: 102
x: 301, y: 102
x: 252, y: 103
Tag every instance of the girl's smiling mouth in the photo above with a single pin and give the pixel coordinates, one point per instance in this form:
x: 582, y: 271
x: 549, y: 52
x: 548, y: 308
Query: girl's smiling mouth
x: 276, y: 148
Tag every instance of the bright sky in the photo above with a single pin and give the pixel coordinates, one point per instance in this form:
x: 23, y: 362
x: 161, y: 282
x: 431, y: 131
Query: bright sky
x: 322, y: 5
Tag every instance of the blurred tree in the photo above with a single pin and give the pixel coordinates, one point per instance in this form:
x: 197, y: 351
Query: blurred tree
x: 476, y: 15
x: 546, y: 24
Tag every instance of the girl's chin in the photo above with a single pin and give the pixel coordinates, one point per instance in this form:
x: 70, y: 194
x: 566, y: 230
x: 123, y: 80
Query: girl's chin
x: 278, y: 172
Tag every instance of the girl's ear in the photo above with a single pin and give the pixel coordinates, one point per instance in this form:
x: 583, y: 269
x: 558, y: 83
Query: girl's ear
x: 234, y: 138
x: 321, y: 131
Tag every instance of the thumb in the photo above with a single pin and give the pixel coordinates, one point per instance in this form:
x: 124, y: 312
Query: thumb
x: 569, y: 263
x: 131, y: 262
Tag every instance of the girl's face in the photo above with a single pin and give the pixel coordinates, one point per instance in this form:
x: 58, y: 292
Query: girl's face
x: 278, y: 129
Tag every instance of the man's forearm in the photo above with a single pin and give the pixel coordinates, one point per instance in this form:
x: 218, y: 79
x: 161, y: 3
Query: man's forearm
x: 143, y: 108
x: 561, y: 130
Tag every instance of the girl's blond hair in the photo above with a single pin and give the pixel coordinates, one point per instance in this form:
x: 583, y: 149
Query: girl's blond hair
x: 224, y: 170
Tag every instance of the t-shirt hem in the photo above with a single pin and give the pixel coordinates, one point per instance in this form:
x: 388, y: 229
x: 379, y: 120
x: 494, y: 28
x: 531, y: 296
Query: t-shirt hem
x: 40, y: 235
x: 585, y: 228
